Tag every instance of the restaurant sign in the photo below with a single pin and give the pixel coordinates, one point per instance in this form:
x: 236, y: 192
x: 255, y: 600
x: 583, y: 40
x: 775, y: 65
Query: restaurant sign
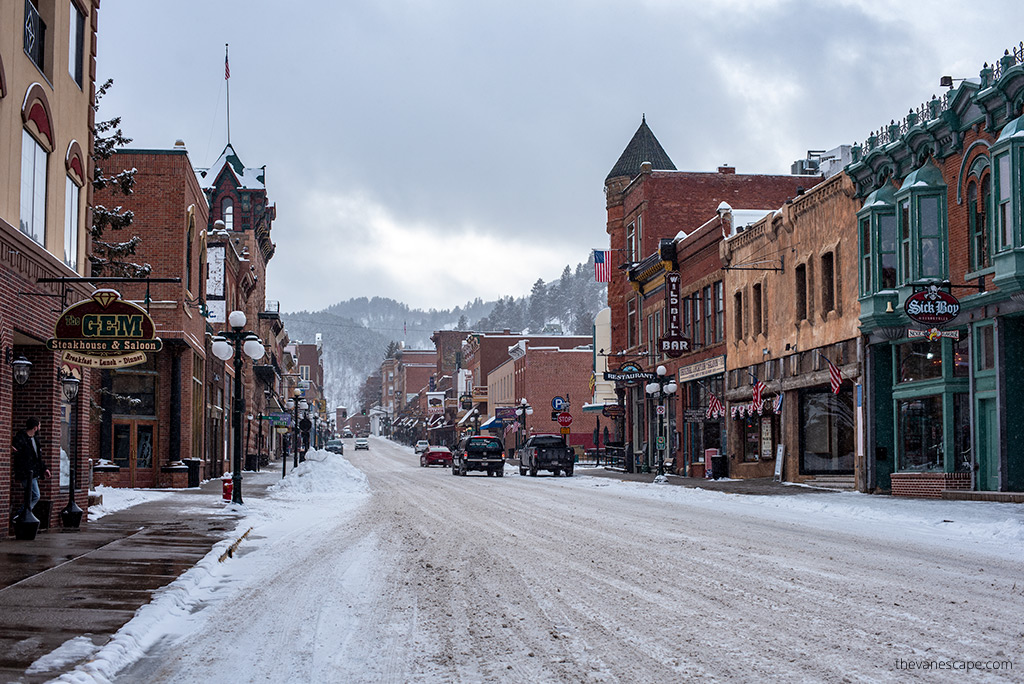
x: 629, y: 373
x: 932, y: 307
x: 104, y: 332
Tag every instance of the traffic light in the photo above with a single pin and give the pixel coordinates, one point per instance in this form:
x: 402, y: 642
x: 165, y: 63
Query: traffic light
x: 364, y: 412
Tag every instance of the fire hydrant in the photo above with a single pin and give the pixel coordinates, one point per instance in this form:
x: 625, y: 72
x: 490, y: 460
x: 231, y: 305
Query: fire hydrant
x: 227, y: 486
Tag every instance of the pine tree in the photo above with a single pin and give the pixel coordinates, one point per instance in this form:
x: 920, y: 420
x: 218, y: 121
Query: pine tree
x: 537, y: 312
x: 109, y: 256
x: 392, y: 350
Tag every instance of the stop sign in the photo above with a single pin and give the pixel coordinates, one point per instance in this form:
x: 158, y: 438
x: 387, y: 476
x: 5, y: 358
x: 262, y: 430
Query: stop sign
x: 565, y: 419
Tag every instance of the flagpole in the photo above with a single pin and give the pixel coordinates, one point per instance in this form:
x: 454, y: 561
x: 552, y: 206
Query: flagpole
x: 227, y: 84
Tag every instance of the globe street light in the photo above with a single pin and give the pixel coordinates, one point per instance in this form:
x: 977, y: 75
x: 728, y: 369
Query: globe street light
x: 660, y: 388
x: 225, y: 345
x: 522, y: 411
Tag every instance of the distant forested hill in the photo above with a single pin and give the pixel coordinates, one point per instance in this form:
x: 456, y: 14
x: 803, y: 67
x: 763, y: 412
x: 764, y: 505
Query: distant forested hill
x: 356, y: 332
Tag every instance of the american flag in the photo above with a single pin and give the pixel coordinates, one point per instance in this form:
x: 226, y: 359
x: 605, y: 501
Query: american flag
x: 834, y: 376
x: 715, y: 407
x: 511, y: 427
x: 778, y: 403
x: 227, y: 69
x: 759, y: 388
x: 602, y: 266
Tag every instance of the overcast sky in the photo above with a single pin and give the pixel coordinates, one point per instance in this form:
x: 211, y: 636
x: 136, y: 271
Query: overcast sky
x: 434, y: 151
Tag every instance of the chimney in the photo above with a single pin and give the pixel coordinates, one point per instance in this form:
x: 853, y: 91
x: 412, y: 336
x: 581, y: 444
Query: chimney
x: 726, y: 169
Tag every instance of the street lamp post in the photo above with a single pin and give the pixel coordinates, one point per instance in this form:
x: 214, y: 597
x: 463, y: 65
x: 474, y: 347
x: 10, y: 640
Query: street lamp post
x: 71, y: 515
x: 523, y: 411
x: 225, y: 345
x: 660, y: 388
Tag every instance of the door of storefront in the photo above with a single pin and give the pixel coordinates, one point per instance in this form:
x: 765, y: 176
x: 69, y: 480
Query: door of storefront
x: 988, y: 446
x: 134, y: 444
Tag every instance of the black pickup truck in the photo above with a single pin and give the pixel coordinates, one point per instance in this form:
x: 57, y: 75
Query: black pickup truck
x: 479, y: 453
x: 546, y: 452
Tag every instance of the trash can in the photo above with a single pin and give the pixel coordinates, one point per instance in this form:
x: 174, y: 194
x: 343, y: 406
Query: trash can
x: 719, y: 466
x: 193, y: 471
x: 252, y: 462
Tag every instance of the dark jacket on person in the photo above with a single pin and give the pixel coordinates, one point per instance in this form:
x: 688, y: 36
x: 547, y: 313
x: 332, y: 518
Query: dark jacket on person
x: 26, y: 462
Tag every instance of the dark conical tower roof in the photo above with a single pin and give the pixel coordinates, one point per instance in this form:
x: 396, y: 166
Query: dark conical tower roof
x: 643, y: 147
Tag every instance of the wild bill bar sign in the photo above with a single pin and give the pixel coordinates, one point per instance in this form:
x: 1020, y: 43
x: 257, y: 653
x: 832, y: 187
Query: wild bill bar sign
x: 104, y: 332
x: 673, y: 343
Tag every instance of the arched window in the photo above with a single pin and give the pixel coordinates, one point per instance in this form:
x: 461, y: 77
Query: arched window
x: 228, y: 213
x: 36, y: 144
x: 978, y: 197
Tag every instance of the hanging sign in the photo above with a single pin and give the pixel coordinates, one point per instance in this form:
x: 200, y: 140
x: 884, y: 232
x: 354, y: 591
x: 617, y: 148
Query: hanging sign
x: 104, y: 332
x: 932, y: 307
x: 673, y: 344
x: 630, y: 374
x: 435, y: 403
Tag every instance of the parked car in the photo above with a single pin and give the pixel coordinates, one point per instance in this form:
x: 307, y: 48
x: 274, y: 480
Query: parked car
x: 335, y: 446
x: 546, y: 452
x: 362, y: 443
x: 479, y: 453
x: 421, y: 446
x: 436, y: 455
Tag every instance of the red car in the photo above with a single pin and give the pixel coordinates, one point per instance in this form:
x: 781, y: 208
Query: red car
x: 436, y: 454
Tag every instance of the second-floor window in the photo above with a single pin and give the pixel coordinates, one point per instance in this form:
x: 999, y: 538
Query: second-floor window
x: 978, y: 197
x: 801, y: 292
x: 755, y: 310
x: 71, y: 196
x: 828, y: 292
x: 922, y: 224
x: 33, y: 188
x: 709, y: 317
x: 719, y: 311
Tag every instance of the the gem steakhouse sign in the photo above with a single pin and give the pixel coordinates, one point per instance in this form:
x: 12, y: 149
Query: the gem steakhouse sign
x: 104, y: 332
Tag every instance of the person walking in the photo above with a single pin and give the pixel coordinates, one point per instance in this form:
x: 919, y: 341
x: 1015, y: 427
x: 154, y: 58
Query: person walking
x: 27, y: 463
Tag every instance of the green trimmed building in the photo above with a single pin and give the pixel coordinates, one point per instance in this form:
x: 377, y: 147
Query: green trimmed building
x: 943, y: 214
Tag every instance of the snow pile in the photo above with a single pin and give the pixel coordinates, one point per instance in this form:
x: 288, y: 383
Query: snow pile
x: 325, y: 486
x: 962, y: 523
x: 117, y: 499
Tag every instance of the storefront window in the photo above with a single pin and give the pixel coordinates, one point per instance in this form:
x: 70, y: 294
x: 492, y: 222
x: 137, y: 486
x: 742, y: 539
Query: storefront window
x: 920, y: 423
x: 827, y: 431
x: 919, y: 361
x: 751, y: 438
x: 962, y: 431
x: 961, y: 357
x: 134, y: 393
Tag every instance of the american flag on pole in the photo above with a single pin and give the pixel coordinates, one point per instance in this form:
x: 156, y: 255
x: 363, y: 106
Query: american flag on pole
x: 759, y: 388
x: 227, y: 69
x: 511, y: 427
x: 778, y: 403
x: 602, y: 266
x: 715, y: 407
x: 834, y: 376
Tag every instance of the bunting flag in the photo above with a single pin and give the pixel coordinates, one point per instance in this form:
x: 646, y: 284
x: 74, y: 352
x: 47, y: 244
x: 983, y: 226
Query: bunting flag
x: 715, y: 408
x: 778, y: 404
x: 602, y: 266
x: 759, y: 388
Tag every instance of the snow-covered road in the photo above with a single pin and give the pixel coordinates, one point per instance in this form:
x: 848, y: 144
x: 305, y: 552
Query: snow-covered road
x: 418, y: 576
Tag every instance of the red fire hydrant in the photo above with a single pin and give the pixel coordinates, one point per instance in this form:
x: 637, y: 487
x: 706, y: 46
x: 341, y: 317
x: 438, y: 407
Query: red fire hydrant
x: 227, y: 485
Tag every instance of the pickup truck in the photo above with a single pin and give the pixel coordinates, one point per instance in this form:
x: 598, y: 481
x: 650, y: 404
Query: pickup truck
x: 546, y: 452
x: 479, y: 453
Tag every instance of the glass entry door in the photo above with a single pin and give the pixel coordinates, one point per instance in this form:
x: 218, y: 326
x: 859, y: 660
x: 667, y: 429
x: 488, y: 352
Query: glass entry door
x: 134, y: 444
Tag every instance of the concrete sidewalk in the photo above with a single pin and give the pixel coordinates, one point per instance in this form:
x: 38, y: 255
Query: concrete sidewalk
x: 65, y: 584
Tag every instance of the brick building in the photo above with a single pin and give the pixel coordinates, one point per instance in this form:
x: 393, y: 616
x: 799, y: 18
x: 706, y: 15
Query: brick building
x: 152, y: 413
x: 790, y: 288
x: 46, y: 134
x: 647, y: 200
x: 942, y: 220
x: 239, y: 249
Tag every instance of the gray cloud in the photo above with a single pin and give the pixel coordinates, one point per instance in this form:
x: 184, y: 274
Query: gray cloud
x: 442, y: 139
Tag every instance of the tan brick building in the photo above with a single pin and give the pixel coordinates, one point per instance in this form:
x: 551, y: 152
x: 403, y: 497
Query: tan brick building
x: 791, y: 303
x: 47, y: 72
